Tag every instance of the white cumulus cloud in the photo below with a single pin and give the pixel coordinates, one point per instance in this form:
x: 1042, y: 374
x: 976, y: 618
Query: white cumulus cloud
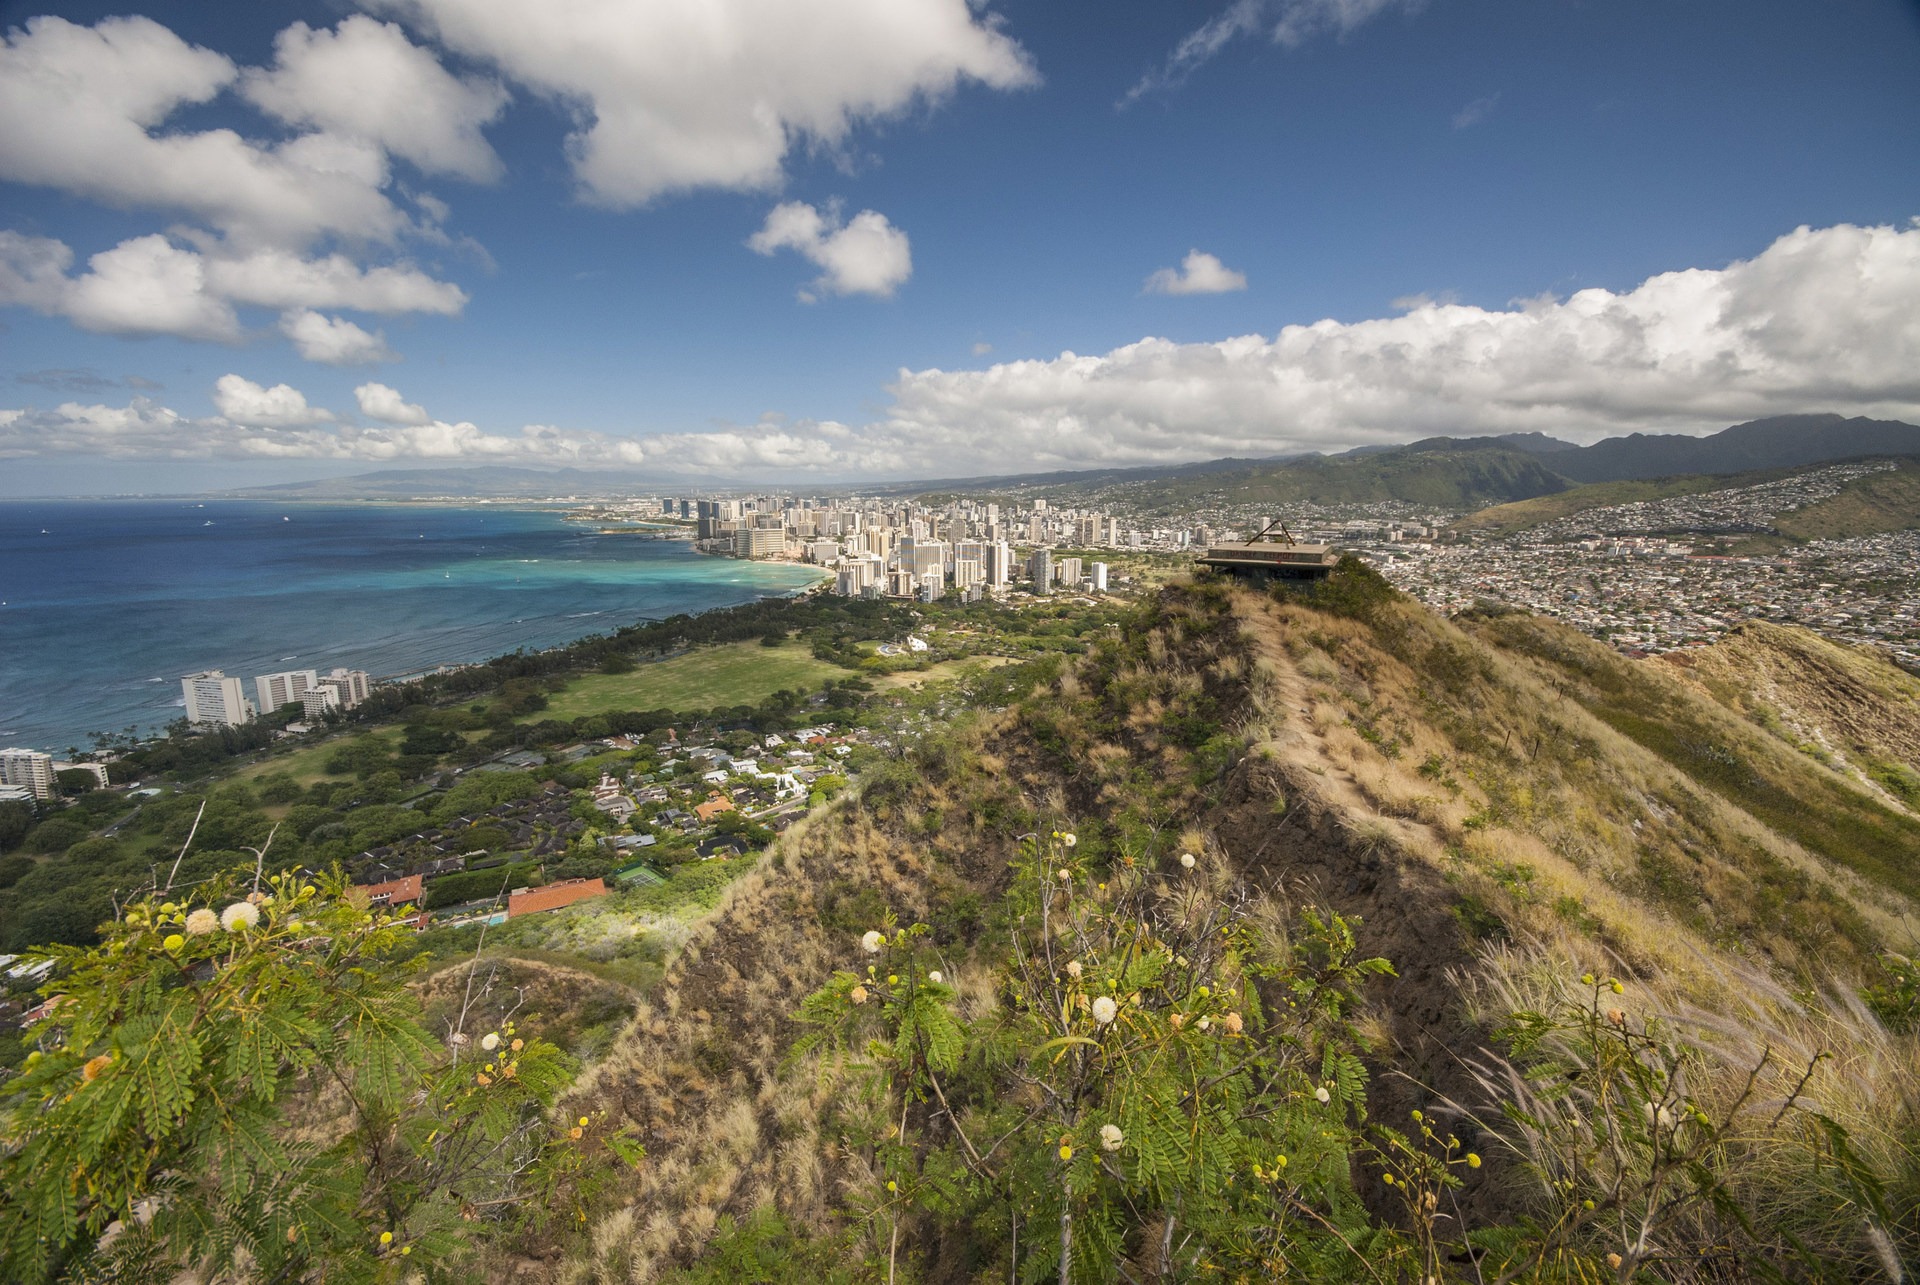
x: 714, y: 93
x: 94, y: 112
x: 84, y: 109
x: 252, y: 406
x: 150, y: 285
x: 365, y: 80
x: 866, y: 255
x: 1198, y: 273
x: 377, y: 401
x: 334, y: 341
x: 145, y: 286
x: 277, y: 279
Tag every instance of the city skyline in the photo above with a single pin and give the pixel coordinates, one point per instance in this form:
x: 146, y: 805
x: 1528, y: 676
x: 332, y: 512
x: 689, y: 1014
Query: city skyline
x: 256, y: 244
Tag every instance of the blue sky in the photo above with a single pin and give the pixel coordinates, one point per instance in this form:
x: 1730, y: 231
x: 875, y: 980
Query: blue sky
x: 1409, y: 172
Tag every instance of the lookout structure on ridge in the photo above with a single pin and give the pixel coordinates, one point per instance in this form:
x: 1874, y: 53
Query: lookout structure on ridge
x: 1269, y: 557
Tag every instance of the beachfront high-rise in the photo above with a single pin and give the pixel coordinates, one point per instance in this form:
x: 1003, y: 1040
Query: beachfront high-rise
x: 213, y: 699
x: 284, y: 688
x: 28, y: 770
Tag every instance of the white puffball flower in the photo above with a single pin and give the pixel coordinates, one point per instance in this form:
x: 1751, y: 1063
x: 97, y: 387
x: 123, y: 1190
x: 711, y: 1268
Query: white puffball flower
x: 1186, y: 860
x: 1069, y: 839
x: 1111, y: 1139
x: 1065, y: 874
x: 201, y: 922
x: 490, y: 1041
x: 1105, y: 1010
x: 241, y: 914
x: 1205, y: 1022
x: 1322, y: 1096
x: 871, y: 942
x: 1074, y: 969
x: 933, y: 975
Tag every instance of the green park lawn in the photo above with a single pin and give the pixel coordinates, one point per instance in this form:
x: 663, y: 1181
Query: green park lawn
x: 307, y: 764
x: 728, y: 674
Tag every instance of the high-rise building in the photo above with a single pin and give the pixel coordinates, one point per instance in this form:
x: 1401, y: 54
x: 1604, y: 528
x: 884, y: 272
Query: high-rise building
x: 760, y: 542
x: 1040, y: 570
x: 28, y: 770
x: 1099, y: 573
x: 926, y: 558
x: 352, y: 684
x: 213, y: 699
x: 998, y: 563
x: 316, y: 701
x: 285, y: 688
x: 1067, y: 572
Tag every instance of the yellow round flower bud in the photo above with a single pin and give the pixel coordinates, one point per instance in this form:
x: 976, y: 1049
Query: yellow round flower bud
x: 1066, y: 1153
x: 174, y: 941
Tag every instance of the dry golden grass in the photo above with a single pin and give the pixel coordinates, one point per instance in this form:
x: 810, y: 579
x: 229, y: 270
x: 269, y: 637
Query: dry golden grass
x: 1479, y: 776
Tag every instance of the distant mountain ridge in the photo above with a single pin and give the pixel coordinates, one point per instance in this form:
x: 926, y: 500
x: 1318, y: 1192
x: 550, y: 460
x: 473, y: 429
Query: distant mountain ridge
x: 1450, y: 472
x: 1469, y: 473
x: 1783, y: 441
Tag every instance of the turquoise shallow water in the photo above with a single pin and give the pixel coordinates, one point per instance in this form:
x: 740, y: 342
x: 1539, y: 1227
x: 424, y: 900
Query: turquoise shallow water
x: 104, y: 605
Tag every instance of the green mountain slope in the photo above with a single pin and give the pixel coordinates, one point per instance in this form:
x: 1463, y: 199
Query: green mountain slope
x: 1520, y: 515
x: 1445, y: 477
x: 1870, y: 505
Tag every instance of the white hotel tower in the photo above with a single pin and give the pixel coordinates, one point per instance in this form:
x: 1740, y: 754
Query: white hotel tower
x: 213, y: 698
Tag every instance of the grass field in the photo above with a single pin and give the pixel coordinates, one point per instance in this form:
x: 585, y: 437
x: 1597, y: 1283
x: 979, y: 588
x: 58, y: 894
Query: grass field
x: 730, y: 674
x: 306, y: 765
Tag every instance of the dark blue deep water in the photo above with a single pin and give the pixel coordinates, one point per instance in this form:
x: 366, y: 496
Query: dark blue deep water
x: 104, y: 605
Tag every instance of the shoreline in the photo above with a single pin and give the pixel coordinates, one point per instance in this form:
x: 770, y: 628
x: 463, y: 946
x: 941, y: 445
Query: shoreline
x: 150, y: 722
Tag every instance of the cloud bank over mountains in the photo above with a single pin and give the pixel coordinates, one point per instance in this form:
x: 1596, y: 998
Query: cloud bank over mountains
x: 1822, y: 319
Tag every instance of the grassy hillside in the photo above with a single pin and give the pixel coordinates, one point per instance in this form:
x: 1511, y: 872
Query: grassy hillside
x: 1843, y: 707
x: 1504, y: 519
x: 1495, y: 806
x: 1871, y: 505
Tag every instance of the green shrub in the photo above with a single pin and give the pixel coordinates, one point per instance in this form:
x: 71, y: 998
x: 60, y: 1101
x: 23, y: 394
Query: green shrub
x: 148, y: 1136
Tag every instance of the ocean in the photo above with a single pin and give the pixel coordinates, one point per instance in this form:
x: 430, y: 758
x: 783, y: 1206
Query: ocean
x: 104, y: 605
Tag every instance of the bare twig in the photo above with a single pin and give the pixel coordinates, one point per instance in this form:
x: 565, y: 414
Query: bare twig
x: 193, y: 830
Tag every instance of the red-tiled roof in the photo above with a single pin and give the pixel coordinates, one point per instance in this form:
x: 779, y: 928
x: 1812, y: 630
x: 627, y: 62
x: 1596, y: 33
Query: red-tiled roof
x: 529, y: 901
x: 394, y: 892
